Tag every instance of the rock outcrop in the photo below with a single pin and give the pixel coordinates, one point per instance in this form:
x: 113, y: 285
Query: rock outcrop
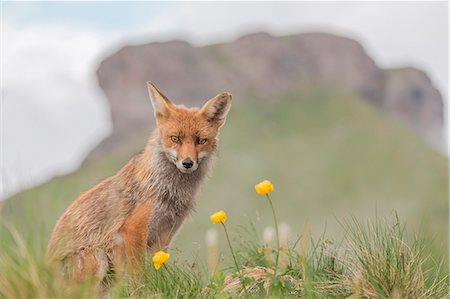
x: 411, y: 97
x: 264, y: 66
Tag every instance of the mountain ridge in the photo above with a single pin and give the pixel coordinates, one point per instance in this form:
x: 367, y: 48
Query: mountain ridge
x: 259, y: 65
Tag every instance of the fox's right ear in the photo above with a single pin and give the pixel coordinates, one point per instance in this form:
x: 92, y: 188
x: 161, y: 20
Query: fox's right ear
x: 161, y: 104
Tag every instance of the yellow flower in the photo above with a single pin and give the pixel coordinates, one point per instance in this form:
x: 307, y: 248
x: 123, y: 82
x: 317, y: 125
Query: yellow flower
x: 264, y: 187
x: 160, y: 258
x: 218, y: 217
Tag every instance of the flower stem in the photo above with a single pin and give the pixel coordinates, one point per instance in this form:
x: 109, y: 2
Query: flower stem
x: 234, y: 257
x: 276, y: 231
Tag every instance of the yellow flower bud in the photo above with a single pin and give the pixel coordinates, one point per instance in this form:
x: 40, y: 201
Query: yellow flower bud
x: 218, y: 217
x: 160, y: 258
x: 264, y: 187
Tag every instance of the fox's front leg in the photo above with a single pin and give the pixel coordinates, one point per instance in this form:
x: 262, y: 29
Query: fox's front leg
x: 134, y: 233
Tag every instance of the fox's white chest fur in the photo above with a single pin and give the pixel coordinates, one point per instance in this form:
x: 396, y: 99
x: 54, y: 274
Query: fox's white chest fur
x: 174, y: 193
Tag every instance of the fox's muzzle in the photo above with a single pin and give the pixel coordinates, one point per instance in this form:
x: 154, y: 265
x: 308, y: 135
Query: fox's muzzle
x: 187, y: 165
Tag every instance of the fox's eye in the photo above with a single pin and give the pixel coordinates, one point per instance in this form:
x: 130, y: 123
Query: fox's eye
x: 202, y: 140
x: 175, y: 139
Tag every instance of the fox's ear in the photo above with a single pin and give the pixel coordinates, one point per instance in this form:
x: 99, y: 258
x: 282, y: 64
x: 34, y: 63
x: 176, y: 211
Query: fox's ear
x: 161, y: 104
x: 217, y: 108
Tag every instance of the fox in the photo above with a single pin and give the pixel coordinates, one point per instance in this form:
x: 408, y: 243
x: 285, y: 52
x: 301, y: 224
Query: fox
x: 112, y: 227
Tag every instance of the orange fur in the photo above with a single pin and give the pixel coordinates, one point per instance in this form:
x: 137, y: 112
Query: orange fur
x: 85, y: 264
x: 134, y: 232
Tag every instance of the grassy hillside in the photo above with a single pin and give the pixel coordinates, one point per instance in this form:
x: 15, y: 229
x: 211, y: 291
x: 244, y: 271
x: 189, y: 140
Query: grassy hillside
x: 328, y: 154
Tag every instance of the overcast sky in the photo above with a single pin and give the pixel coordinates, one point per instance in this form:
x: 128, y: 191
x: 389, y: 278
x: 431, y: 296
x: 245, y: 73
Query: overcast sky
x: 53, y: 113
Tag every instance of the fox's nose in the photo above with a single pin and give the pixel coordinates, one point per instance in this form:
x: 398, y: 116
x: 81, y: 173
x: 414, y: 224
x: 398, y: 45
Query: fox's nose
x: 188, y: 163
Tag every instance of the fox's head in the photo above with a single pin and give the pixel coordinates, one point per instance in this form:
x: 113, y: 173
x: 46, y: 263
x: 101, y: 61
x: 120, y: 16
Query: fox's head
x: 188, y: 135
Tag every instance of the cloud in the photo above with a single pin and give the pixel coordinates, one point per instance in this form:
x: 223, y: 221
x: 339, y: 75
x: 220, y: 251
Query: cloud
x: 53, y: 112
x: 399, y: 34
x: 209, y: 22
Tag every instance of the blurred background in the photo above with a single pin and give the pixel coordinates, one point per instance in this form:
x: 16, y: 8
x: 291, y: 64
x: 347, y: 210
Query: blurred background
x: 341, y: 105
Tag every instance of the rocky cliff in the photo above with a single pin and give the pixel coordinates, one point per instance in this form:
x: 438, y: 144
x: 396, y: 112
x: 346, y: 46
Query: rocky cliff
x: 259, y: 65
x: 411, y: 97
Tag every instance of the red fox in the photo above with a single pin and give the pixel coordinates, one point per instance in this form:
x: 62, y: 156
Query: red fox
x: 109, y: 228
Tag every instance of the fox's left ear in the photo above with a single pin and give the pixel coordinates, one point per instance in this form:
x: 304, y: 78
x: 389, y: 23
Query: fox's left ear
x: 217, y: 108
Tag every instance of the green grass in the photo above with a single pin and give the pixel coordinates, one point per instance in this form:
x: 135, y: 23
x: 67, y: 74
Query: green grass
x: 328, y: 154
x: 375, y: 260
